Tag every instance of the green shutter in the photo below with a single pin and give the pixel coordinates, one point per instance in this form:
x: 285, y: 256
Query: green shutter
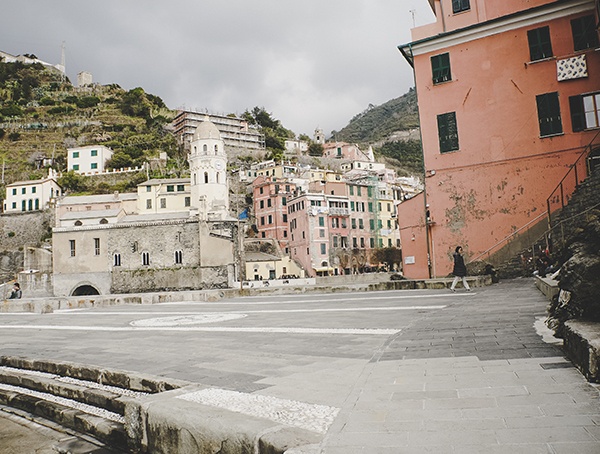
x: 440, y: 67
x: 447, y: 131
x: 540, y: 46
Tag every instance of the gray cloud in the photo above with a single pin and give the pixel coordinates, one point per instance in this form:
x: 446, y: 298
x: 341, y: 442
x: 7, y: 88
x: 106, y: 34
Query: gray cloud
x: 309, y: 63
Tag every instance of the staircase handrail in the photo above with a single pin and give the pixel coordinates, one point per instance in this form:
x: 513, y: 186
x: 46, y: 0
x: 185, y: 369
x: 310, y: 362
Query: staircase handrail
x: 573, y: 168
x: 507, y: 238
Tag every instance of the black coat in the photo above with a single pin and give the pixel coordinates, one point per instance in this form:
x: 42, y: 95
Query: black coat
x: 460, y: 269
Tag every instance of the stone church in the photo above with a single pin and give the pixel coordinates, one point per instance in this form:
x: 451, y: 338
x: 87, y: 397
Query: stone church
x: 174, y: 234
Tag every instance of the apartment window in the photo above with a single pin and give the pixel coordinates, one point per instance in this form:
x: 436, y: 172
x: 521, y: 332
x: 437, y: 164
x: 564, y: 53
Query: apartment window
x: 389, y: 223
x: 96, y: 246
x: 335, y: 241
x: 270, y: 219
x: 206, y: 177
x: 321, y: 221
x: 585, y: 111
x: 358, y: 191
x: 262, y: 220
x: 440, y: 67
x: 369, y: 191
x: 148, y: 204
x: 361, y: 224
x: 352, y: 206
x: 459, y: 6
x: 75, y: 166
x: 260, y: 190
x: 261, y: 204
x: 540, y: 46
x: 94, y: 153
x: 148, y: 188
x: 117, y: 259
x: 362, y: 243
x: 170, y: 188
x: 322, y: 233
x: 145, y: 258
x: 23, y: 205
x: 75, y: 154
x: 14, y: 191
x: 354, y: 243
x: 33, y: 190
x: 23, y: 190
x: 323, y: 249
x: 283, y: 201
x: 178, y: 257
x: 30, y: 205
x: 370, y: 207
x: 351, y: 190
x: 372, y: 242
x: 447, y: 132
x: 268, y: 202
x: 94, y: 165
x: 584, y: 32
x: 187, y: 201
x: 353, y: 223
x: 549, y: 114
x: 72, y: 247
x: 163, y: 203
x: 14, y: 205
x: 284, y: 216
x: 372, y: 224
x: 180, y: 188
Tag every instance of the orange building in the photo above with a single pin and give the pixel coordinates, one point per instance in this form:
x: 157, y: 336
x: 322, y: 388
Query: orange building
x: 509, y: 97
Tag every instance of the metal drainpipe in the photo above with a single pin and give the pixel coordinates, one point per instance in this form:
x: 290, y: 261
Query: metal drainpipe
x: 427, y: 231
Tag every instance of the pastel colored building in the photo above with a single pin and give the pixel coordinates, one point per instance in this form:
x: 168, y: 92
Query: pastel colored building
x: 509, y: 98
x: 32, y: 195
x: 164, y: 196
x: 88, y: 160
x: 270, y: 198
x: 342, y: 150
x: 319, y: 232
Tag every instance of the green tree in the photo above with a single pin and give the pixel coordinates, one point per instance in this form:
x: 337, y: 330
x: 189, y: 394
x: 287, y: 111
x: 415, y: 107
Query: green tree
x: 72, y: 182
x: 391, y: 256
x: 315, y: 149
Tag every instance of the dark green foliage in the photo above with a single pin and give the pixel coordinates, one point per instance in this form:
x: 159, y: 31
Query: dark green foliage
x: 409, y: 154
x: 11, y: 110
x: 45, y: 101
x: 378, y: 122
x: 60, y: 110
x: 389, y: 255
x: 73, y: 182
x: 2, y: 133
x: 275, y: 134
x: 14, y: 136
x: 87, y: 101
x: 315, y: 149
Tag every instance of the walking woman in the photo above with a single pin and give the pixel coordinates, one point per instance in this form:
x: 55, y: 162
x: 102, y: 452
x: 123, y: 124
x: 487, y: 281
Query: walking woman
x: 460, y: 270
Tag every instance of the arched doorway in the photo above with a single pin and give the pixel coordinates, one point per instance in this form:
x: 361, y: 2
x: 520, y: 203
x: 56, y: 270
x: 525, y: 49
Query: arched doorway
x: 85, y: 290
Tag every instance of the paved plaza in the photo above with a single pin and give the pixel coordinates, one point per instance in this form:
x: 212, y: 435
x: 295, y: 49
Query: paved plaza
x: 410, y: 371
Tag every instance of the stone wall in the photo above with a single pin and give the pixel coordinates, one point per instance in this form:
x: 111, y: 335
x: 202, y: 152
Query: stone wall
x: 169, y: 279
x: 18, y: 230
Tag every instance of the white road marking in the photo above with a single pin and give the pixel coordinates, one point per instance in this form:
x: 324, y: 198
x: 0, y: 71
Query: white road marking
x: 266, y: 311
x: 186, y: 320
x: 356, y: 331
x: 316, y: 418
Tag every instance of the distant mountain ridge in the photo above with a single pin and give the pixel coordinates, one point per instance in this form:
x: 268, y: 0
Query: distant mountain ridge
x: 379, y: 124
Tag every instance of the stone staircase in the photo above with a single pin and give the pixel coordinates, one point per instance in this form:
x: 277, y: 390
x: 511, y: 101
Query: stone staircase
x: 584, y: 199
x: 84, y: 399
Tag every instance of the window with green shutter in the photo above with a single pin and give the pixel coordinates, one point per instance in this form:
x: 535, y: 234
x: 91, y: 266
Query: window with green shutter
x: 549, y: 114
x: 440, y: 67
x: 540, y: 46
x: 459, y: 6
x: 584, y: 32
x: 447, y: 132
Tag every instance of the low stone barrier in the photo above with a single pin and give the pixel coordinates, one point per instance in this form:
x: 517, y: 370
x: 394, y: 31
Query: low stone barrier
x: 582, y: 346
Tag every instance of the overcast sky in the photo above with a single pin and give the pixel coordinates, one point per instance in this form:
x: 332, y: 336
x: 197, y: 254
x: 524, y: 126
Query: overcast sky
x: 310, y: 63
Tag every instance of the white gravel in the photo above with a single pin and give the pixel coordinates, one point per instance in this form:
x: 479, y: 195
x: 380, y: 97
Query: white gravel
x: 316, y: 418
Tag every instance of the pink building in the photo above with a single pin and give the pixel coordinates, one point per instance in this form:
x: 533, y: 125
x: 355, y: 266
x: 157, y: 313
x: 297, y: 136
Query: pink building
x: 509, y: 98
x: 270, y: 208
x: 319, y: 232
x: 343, y: 150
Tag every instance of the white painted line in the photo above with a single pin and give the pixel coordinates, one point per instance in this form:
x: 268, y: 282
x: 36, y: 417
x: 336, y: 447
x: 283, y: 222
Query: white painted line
x: 267, y: 311
x: 356, y: 331
x: 90, y: 409
x: 316, y: 418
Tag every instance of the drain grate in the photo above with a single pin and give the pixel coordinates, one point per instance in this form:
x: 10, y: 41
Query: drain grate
x: 548, y: 366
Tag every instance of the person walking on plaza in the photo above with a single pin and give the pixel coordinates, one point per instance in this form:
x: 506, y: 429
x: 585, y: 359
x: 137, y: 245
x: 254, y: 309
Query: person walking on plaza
x: 459, y: 270
x: 16, y: 292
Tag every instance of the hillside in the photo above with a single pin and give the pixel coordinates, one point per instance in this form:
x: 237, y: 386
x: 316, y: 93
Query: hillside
x: 41, y: 115
x: 392, y: 130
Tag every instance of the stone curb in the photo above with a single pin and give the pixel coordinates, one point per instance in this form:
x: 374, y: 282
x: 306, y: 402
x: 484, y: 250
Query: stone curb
x: 157, y: 423
x: 582, y: 345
